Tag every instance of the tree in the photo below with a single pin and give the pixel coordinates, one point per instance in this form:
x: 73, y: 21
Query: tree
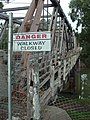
x: 1, y: 5
x: 80, y: 12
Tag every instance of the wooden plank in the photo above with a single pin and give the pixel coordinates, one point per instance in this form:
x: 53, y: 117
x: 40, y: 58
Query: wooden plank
x: 3, y: 30
x: 44, y: 81
x: 29, y: 96
x: 62, y: 30
x: 46, y: 94
x: 51, y: 22
x: 64, y: 70
x: 40, y: 69
x: 54, y: 27
x: 52, y: 71
x: 35, y: 23
x: 28, y: 17
x: 44, y: 75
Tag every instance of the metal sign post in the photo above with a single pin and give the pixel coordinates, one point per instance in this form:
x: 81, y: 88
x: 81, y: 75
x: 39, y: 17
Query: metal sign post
x: 32, y: 42
x: 9, y: 65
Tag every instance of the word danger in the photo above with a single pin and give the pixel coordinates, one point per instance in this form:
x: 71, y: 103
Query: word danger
x: 31, y: 36
x: 32, y: 41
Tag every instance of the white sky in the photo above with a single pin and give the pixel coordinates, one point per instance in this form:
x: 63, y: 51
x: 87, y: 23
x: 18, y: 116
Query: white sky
x: 20, y: 3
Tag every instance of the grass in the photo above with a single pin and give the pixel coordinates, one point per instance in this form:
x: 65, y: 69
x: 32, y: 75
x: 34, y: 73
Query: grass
x: 75, y: 115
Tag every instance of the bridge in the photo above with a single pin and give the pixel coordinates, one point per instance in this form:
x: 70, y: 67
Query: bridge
x: 38, y: 76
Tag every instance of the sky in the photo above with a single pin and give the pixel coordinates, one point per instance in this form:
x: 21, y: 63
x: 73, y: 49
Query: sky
x: 20, y: 3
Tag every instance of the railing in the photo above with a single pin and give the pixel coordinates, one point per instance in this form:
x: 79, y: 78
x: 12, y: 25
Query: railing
x: 54, y: 66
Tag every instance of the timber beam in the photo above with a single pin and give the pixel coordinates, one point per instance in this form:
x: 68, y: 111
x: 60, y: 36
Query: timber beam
x: 5, y: 17
x: 62, y: 14
x: 21, y: 8
x: 55, y: 3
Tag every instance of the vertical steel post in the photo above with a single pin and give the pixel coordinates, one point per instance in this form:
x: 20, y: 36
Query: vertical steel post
x: 43, y: 19
x: 9, y: 66
x: 47, y: 15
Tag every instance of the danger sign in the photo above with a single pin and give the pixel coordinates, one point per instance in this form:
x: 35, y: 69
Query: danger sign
x: 32, y: 41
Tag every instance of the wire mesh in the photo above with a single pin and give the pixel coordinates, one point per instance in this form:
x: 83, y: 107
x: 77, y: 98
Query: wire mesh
x: 3, y: 85
x: 75, y: 107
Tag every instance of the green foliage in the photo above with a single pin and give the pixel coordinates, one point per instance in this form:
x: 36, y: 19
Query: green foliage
x: 4, y: 43
x: 1, y: 5
x: 80, y: 12
x: 85, y: 101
